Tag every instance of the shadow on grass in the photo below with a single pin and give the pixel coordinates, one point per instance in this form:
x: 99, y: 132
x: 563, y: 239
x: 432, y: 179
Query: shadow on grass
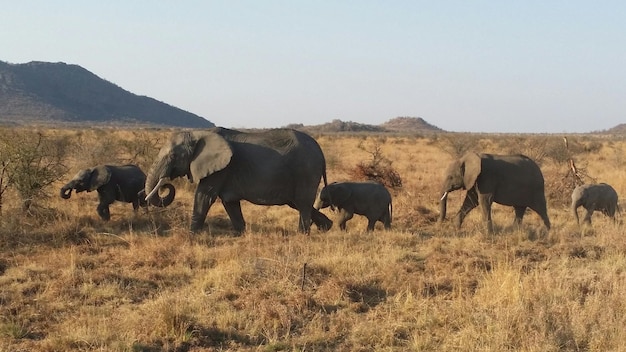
x: 367, y: 295
x: 203, y: 337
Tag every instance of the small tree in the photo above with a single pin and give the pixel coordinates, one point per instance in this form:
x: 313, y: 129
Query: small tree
x: 30, y: 162
x: 141, y: 149
x: 378, y: 168
x: 457, y: 144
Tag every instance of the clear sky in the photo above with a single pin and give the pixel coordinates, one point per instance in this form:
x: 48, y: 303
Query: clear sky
x: 478, y: 66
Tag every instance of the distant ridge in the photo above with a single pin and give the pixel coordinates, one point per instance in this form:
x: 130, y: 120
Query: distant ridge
x: 59, y: 93
x: 410, y: 124
x: 398, y: 124
x: 618, y: 129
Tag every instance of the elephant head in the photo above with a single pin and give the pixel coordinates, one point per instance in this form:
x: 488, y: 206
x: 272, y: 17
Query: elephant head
x: 192, y: 154
x: 331, y: 195
x: 87, y: 180
x: 461, y: 174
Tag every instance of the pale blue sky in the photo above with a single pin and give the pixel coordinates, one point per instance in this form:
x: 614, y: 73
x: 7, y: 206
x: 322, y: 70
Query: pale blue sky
x: 480, y: 66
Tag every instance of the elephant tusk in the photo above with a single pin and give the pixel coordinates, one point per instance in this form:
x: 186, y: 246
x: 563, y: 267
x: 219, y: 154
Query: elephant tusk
x: 445, y: 194
x: 155, y: 189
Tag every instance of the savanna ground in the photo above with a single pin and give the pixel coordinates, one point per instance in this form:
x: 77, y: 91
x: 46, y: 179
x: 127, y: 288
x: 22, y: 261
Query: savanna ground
x: 69, y: 281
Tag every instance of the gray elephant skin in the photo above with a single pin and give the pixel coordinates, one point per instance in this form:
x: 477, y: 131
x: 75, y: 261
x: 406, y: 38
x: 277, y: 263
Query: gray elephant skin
x: 274, y: 167
x: 594, y: 197
x: 370, y: 199
x: 512, y: 180
x: 114, y: 183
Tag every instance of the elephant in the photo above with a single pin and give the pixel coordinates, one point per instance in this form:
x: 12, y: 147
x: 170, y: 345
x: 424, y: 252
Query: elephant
x: 121, y: 183
x: 273, y: 167
x: 513, y: 180
x: 594, y: 197
x: 370, y: 199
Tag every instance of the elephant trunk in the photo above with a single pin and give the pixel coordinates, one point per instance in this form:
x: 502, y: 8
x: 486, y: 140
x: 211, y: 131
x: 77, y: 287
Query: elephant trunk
x: 574, y: 210
x: 158, y: 201
x: 66, y: 191
x: 443, y: 205
x: 155, y: 181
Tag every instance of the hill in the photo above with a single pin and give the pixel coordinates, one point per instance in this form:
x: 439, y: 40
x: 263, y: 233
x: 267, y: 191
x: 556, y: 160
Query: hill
x: 398, y: 124
x: 59, y: 93
x: 412, y: 124
x: 619, y: 129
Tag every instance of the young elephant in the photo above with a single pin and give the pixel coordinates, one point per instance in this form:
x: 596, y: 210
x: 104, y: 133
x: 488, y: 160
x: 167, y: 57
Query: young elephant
x: 601, y: 197
x: 370, y: 199
x: 121, y: 183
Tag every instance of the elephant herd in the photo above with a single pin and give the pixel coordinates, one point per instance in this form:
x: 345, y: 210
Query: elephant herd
x: 284, y: 167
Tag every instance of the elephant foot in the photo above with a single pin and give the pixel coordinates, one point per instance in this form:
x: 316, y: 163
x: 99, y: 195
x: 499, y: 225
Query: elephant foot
x: 238, y: 233
x: 239, y: 228
x: 324, y: 226
x: 195, y: 228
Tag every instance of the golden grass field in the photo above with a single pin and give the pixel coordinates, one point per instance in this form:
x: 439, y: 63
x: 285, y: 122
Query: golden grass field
x: 69, y: 281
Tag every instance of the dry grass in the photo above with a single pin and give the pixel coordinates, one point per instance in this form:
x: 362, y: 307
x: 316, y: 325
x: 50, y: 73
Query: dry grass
x: 69, y: 281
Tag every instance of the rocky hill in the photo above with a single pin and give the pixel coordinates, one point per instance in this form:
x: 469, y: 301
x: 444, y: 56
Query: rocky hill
x: 398, y: 124
x: 619, y: 129
x: 413, y: 124
x: 58, y: 93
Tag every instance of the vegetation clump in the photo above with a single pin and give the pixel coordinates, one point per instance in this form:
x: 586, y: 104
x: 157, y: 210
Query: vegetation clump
x: 378, y: 168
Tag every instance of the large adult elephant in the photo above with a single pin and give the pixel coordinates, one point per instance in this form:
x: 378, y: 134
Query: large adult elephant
x: 513, y: 180
x: 113, y: 183
x: 275, y: 167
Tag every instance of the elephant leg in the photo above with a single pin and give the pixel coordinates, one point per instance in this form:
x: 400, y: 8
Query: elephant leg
x: 575, y: 213
x: 344, y: 216
x: 103, y: 211
x: 371, y: 223
x: 386, y: 220
x: 304, y: 225
x: 519, y: 215
x: 542, y: 210
x: 203, y: 199
x: 105, y: 199
x: 320, y: 220
x: 588, y: 213
x: 470, y: 202
x: 233, y: 209
x: 485, y: 201
x: 611, y: 212
x: 135, y: 204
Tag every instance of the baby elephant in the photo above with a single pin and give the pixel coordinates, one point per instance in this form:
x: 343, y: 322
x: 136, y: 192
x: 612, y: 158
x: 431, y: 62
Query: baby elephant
x: 370, y: 199
x: 601, y: 197
x: 121, y: 183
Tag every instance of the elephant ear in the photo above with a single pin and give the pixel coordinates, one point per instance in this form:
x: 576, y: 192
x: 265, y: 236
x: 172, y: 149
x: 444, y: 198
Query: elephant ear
x: 340, y: 194
x: 100, y: 175
x: 212, y: 153
x: 471, y: 166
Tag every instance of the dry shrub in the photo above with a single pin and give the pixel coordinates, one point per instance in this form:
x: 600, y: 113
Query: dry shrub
x: 378, y: 168
x: 29, y: 163
x: 560, y: 185
x: 457, y: 144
